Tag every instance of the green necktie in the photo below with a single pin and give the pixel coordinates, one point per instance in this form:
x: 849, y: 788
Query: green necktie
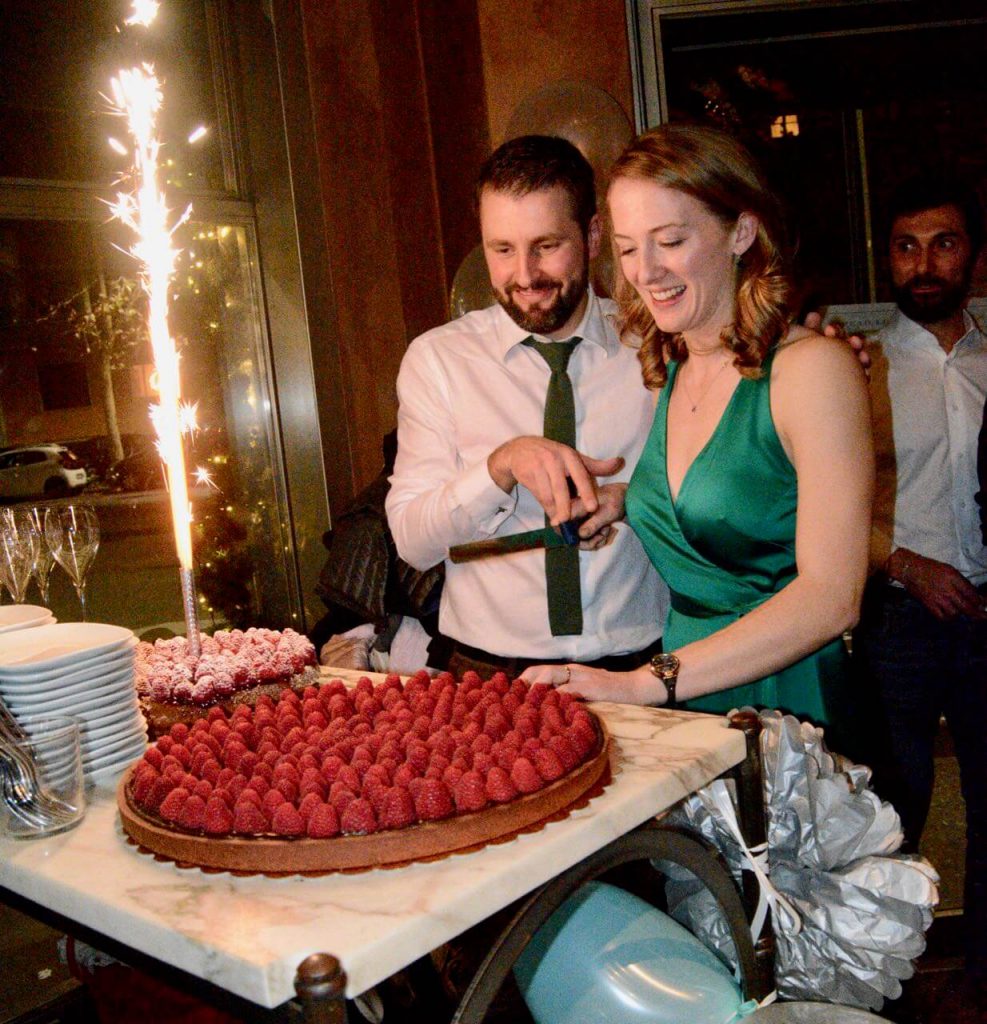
x: 565, y: 605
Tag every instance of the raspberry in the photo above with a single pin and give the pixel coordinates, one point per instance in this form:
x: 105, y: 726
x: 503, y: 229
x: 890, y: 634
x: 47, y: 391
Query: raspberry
x: 216, y: 715
x: 248, y: 762
x: 312, y: 782
x: 286, y: 770
x: 349, y: 777
x: 193, y: 813
x: 233, y: 751
x: 437, y: 764
x: 363, y: 685
x: 500, y: 789
x: 358, y: 818
x: 171, y: 806
x: 470, y: 793
x: 271, y: 800
x: 165, y: 744
x: 143, y: 785
x: 377, y: 773
x: 331, y: 766
x: 210, y: 770
x: 250, y: 796
x: 470, y: 680
x: 499, y: 683
x: 203, y: 788
x: 510, y: 704
x: 537, y: 694
x: 524, y: 776
x: 218, y: 819
x: 341, y: 797
x: 182, y: 754
x: 247, y: 733
x: 219, y: 730
x: 399, y: 809
x: 417, y: 754
x: 552, y: 718
x: 547, y: 764
x: 531, y: 745
x: 287, y: 788
x: 154, y: 757
x: 581, y: 743
x: 432, y: 801
x: 286, y: 821
x: 526, y: 726
x: 565, y: 752
x: 258, y: 784
x: 323, y: 822
x: 405, y: 773
x: 307, y: 803
x: 249, y: 820
x: 482, y: 763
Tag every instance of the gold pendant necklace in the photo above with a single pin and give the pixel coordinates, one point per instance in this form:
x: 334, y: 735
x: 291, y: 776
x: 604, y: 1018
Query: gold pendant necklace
x: 688, y: 397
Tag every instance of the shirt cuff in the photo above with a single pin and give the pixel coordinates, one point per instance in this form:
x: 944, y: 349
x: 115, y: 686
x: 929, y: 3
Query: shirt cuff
x: 483, y: 501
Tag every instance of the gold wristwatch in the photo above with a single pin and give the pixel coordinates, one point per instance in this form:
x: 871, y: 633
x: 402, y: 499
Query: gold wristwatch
x: 666, y: 668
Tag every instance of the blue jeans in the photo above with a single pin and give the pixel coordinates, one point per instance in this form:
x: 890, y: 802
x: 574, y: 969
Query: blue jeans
x: 912, y: 669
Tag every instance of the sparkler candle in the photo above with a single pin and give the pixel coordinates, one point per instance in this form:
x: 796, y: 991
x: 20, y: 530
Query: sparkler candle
x: 137, y: 97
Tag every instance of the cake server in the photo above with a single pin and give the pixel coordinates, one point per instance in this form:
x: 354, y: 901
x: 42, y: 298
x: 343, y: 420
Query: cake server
x: 564, y: 535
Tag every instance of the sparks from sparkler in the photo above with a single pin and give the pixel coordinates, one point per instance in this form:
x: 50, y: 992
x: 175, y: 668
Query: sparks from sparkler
x: 144, y: 12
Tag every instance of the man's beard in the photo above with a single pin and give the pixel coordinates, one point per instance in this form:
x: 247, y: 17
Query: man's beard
x: 551, y: 318
x: 931, y: 309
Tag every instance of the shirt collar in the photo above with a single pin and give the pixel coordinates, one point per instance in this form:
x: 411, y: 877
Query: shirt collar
x: 909, y: 332
x: 593, y: 328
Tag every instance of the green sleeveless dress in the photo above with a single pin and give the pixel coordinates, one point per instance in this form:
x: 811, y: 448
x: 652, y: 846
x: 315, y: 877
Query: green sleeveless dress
x: 728, y: 543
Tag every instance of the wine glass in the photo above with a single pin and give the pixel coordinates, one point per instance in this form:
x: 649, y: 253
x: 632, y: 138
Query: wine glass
x: 16, y: 552
x: 44, y: 560
x: 72, y: 533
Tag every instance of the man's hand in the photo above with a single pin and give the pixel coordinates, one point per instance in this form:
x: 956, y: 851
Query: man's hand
x: 597, y: 531
x: 545, y: 468
x: 944, y: 591
x: 814, y: 322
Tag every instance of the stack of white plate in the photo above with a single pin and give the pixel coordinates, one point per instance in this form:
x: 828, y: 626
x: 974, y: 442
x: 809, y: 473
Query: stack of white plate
x: 24, y: 616
x: 83, y: 669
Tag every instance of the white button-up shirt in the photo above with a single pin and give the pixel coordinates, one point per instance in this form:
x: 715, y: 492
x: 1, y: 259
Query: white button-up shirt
x: 464, y: 389
x: 927, y: 409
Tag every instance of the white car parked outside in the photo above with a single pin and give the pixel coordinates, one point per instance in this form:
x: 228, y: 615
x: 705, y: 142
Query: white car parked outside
x: 40, y: 470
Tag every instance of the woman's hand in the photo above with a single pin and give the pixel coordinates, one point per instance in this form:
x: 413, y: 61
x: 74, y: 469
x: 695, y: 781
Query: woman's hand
x: 637, y: 687
x: 598, y: 531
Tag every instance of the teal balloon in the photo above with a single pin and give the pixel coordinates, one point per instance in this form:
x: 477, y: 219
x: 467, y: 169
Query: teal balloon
x: 607, y: 957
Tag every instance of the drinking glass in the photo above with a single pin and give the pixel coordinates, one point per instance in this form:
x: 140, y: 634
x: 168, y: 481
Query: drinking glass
x: 16, y: 552
x: 44, y: 560
x: 72, y: 533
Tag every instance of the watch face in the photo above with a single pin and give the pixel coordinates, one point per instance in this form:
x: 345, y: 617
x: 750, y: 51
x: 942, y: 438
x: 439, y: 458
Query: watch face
x: 665, y: 665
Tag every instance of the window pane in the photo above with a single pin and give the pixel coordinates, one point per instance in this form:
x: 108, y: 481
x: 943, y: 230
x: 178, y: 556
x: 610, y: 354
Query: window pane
x: 58, y: 60
x: 69, y: 306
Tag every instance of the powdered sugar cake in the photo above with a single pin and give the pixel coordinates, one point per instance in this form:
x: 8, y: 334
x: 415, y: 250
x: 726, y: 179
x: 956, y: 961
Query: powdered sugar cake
x: 235, y: 666
x: 383, y: 774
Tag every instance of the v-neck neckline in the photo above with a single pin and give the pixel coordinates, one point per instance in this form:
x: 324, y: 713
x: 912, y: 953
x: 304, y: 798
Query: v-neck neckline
x: 705, y: 448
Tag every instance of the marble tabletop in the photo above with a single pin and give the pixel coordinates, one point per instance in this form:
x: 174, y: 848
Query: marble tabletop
x: 248, y: 935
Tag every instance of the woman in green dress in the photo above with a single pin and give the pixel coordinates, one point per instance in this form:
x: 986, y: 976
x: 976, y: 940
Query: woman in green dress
x: 753, y: 494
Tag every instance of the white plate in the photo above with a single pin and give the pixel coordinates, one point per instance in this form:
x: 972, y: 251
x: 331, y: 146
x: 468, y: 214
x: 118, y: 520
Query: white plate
x: 71, y: 684
x: 105, y: 717
x: 91, y: 669
x: 85, y: 704
x: 24, y: 616
x: 93, y: 736
x: 113, y: 745
x: 122, y: 758
x: 55, y: 646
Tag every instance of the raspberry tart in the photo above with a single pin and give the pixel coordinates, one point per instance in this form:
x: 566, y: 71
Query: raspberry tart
x: 382, y: 774
x: 234, y: 667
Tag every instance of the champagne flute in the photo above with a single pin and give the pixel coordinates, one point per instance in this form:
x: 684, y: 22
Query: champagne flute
x: 44, y: 560
x: 72, y: 533
x: 16, y: 553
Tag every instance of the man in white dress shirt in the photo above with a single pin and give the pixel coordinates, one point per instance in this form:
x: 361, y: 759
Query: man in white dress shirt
x: 472, y: 461
x: 922, y: 638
